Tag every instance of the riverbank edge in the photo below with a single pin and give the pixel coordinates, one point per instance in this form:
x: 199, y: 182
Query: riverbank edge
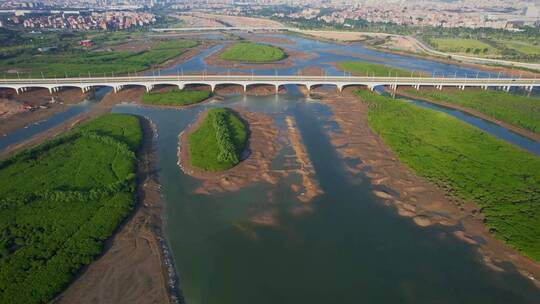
x: 516, y: 72
x: 144, y: 223
x: 518, y: 130
x: 383, y: 168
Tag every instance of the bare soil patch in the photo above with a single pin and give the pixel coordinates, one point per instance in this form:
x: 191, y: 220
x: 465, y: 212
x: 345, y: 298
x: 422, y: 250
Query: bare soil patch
x: 423, y: 202
x: 33, y: 106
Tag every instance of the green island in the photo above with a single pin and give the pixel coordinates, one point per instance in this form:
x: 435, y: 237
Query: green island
x: 473, y: 165
x: 362, y: 68
x: 64, y: 198
x: 218, y: 142
x: 175, y: 97
x: 80, y: 62
x: 253, y: 52
x: 517, y: 110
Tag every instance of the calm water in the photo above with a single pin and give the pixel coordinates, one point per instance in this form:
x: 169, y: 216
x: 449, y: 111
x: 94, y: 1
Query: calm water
x: 348, y: 248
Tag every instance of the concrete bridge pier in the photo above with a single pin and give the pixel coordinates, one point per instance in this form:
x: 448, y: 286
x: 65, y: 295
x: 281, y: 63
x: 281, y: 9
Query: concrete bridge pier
x: 181, y: 86
x: 417, y: 87
x: 507, y: 88
x: 371, y: 87
x: 149, y: 88
x: 439, y: 87
x: 117, y: 88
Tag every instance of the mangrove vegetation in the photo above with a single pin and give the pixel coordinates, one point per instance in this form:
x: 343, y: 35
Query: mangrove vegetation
x: 218, y: 142
x: 64, y: 198
x: 471, y: 164
x: 253, y: 52
x: 175, y: 97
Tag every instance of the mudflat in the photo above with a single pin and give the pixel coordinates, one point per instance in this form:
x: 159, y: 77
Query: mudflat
x: 416, y: 198
x: 264, y: 144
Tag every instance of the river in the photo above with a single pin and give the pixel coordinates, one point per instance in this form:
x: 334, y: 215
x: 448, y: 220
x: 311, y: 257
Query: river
x: 345, y: 247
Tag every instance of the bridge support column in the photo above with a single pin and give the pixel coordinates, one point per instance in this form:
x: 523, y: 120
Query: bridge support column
x: 340, y: 88
x: 212, y: 87
x: 507, y: 88
x: 417, y: 87
x: 181, y: 86
x: 276, y: 87
x: 371, y: 87
x: 149, y: 87
x: 439, y: 87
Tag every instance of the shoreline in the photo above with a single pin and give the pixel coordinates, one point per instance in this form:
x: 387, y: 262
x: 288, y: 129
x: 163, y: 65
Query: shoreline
x: 516, y: 72
x: 66, y: 98
x: 104, y: 106
x: 515, y: 129
x: 412, y: 196
x: 136, y: 255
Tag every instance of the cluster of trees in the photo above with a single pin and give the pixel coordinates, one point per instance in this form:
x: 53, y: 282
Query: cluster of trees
x: 63, y: 199
x: 226, y: 149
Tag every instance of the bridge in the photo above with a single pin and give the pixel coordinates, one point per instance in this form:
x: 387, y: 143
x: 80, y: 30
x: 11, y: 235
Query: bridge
x: 340, y: 82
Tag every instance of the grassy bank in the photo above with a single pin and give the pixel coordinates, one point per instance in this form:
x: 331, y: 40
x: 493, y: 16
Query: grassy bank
x: 75, y: 63
x: 502, y: 179
x: 517, y: 110
x: 60, y: 201
x: 217, y: 143
x: 175, y: 97
x: 464, y: 46
x: 362, y: 68
x: 253, y: 52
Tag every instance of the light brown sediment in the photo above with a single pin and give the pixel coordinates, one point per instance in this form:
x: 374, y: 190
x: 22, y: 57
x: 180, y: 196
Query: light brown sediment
x: 262, y: 148
x: 413, y: 196
x: 523, y: 132
x: 264, y: 144
x: 306, y: 170
x: 41, y: 102
x: 132, y: 268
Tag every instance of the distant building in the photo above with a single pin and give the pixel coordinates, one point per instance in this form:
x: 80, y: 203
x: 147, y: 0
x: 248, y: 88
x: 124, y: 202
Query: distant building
x: 532, y: 12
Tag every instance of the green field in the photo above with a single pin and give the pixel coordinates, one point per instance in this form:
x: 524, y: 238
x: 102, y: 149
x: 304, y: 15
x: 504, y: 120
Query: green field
x: 60, y: 201
x: 253, y: 52
x: 218, y: 142
x: 517, y: 110
x: 361, y: 68
x: 465, y: 46
x: 501, y: 178
x: 522, y: 47
x: 175, y: 97
x: 77, y: 63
